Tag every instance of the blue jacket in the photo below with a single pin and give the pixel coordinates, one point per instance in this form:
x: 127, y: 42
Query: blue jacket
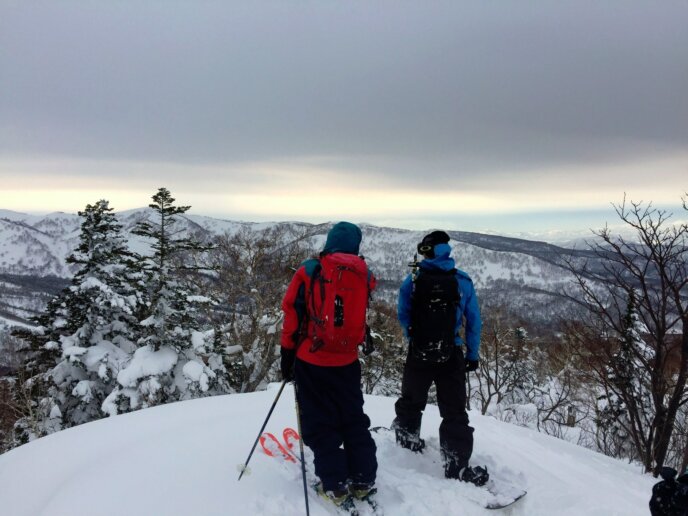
x: 468, y: 306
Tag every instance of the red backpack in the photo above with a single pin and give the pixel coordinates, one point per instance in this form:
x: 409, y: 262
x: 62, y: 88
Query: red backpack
x: 338, y: 302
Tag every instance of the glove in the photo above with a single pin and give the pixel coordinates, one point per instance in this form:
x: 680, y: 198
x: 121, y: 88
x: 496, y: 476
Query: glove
x: 368, y: 346
x: 287, y: 358
x: 472, y: 365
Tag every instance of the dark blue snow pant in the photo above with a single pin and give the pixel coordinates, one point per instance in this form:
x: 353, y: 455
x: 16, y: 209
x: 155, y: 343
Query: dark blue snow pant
x: 456, y: 437
x: 331, y: 403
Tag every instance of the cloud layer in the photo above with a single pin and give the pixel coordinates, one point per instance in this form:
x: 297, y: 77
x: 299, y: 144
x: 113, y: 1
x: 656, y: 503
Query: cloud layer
x: 468, y: 97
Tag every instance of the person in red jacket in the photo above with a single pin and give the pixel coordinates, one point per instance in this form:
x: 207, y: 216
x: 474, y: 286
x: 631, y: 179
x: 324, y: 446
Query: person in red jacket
x: 324, y: 322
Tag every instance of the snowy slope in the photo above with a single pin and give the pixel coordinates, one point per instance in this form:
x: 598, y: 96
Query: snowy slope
x: 33, y: 249
x: 181, y: 459
x: 31, y: 245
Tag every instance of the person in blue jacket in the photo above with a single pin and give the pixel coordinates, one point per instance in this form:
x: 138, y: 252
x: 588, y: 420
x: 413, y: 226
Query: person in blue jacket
x: 433, y: 304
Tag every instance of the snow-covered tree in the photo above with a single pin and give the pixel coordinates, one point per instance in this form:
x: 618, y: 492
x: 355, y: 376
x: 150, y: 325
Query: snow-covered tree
x: 104, y: 302
x: 88, y: 331
x: 10, y: 362
x: 175, y: 359
x: 624, y: 412
x: 34, y: 393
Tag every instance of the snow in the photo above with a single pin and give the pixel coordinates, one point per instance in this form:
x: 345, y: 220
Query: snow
x: 195, y: 372
x: 95, y: 355
x: 186, y: 455
x: 11, y: 323
x: 94, y: 283
x: 16, y: 216
x: 74, y: 351
x: 83, y: 390
x: 147, y: 362
x: 55, y: 412
x: 39, y: 246
x: 198, y: 299
x: 198, y: 339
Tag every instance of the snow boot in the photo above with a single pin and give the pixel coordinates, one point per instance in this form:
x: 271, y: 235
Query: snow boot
x: 365, y: 492
x: 362, y: 491
x: 342, y: 498
x: 409, y: 440
x: 416, y: 445
x: 477, y: 475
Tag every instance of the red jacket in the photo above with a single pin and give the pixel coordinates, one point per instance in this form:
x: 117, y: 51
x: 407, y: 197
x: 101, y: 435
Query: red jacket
x: 294, y: 307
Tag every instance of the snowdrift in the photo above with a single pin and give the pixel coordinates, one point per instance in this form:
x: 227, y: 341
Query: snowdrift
x: 181, y: 460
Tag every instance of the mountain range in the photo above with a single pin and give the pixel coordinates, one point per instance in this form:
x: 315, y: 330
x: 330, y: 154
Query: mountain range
x: 33, y: 250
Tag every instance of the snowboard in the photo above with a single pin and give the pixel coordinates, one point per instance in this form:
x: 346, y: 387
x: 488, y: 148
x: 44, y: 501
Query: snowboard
x: 502, y: 492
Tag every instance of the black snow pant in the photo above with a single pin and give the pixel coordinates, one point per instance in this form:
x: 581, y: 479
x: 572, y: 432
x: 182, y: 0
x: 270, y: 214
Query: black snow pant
x: 331, y: 404
x: 456, y: 436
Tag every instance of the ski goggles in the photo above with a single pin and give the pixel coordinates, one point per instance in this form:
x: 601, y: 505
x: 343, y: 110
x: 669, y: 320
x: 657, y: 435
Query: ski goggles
x: 425, y: 248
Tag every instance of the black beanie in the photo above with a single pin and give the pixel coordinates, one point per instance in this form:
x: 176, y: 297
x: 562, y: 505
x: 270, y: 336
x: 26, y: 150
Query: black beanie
x: 427, y: 245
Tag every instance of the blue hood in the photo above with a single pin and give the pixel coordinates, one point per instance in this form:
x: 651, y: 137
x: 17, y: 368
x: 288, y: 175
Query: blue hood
x: 344, y: 237
x: 441, y: 260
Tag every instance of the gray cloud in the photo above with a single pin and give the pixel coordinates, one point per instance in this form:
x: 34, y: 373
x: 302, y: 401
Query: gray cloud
x: 458, y: 89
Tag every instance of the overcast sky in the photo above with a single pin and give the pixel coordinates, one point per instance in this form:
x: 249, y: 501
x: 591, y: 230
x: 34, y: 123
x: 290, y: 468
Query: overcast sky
x: 468, y: 115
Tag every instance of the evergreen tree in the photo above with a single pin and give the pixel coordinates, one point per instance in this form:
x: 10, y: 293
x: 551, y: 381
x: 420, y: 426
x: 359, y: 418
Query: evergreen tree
x: 34, y: 393
x: 104, y: 303
x: 176, y: 358
x: 88, y: 332
x: 628, y: 388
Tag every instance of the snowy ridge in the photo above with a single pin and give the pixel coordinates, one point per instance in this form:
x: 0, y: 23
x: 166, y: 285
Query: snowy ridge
x: 181, y: 459
x: 36, y: 248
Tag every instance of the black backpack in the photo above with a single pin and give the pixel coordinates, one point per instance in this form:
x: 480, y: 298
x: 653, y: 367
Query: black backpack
x: 670, y: 496
x: 434, y: 303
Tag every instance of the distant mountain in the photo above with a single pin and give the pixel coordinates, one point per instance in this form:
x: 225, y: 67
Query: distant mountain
x: 33, y: 250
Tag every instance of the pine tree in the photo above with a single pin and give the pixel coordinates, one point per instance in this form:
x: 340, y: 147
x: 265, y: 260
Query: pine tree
x: 628, y: 387
x: 34, y: 393
x: 88, y: 331
x: 105, y: 301
x: 175, y: 359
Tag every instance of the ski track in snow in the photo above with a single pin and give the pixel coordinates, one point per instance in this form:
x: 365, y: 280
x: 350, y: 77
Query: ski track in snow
x: 181, y: 459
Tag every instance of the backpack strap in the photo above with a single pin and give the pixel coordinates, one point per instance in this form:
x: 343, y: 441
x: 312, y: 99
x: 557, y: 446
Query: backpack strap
x: 312, y: 267
x: 317, y: 280
x: 317, y: 277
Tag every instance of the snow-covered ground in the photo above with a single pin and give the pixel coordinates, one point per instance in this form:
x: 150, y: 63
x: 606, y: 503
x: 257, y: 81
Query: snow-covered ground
x: 181, y: 459
x: 8, y: 324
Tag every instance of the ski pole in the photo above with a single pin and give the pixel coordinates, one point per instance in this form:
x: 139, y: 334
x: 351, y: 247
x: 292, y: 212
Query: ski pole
x: 303, y: 459
x: 245, y: 465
